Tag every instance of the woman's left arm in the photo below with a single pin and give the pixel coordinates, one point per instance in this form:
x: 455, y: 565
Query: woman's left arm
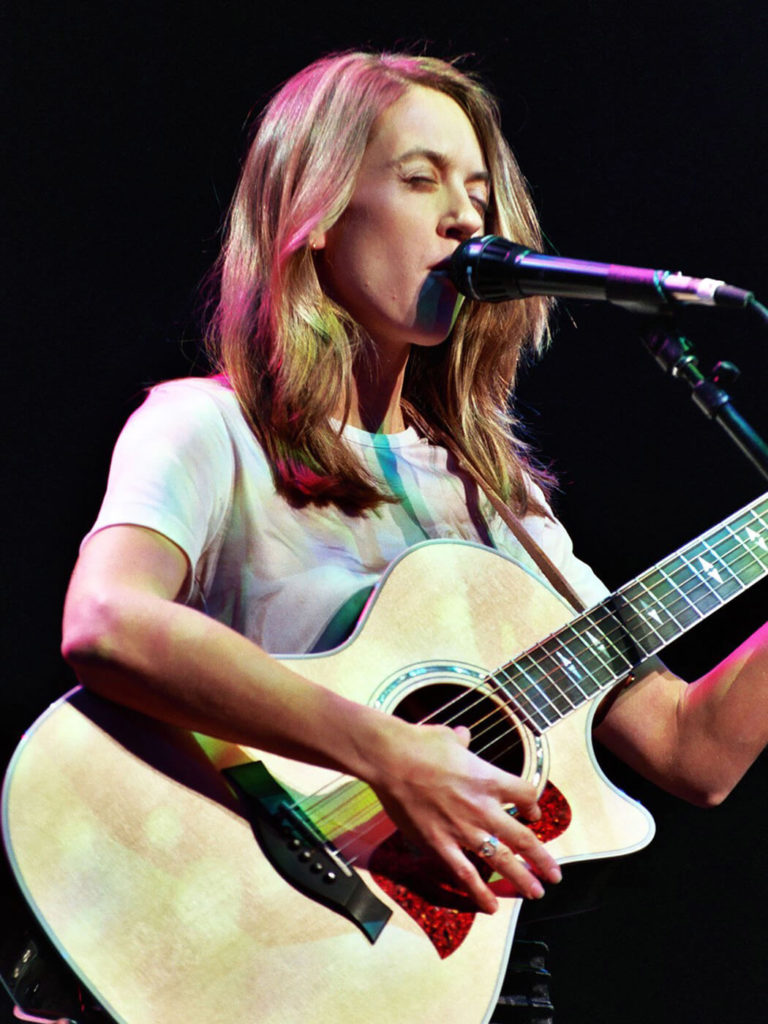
x: 695, y: 740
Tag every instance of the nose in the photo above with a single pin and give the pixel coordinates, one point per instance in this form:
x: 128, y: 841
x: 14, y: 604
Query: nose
x: 462, y: 218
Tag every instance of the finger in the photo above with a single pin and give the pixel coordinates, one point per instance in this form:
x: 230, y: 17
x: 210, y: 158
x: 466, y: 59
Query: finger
x: 463, y: 735
x: 469, y: 878
x: 517, y: 839
x: 522, y: 796
x: 502, y: 860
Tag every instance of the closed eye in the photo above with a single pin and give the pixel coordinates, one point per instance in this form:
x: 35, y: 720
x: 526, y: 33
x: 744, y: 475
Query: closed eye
x: 481, y: 205
x: 420, y: 179
x: 480, y: 202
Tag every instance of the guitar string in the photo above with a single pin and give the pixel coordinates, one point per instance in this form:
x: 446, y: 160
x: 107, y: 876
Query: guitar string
x: 506, y: 711
x: 479, y: 733
x: 494, y: 717
x: 369, y: 801
x: 515, y: 732
x: 497, y: 716
x: 479, y: 729
x: 502, y: 714
x: 583, y: 621
x: 500, y: 752
x: 617, y: 630
x: 586, y: 621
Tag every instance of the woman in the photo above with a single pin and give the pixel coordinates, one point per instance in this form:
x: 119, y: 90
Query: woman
x: 250, y: 514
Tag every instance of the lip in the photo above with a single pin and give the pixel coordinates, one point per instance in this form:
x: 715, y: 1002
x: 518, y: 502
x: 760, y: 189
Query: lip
x: 442, y: 266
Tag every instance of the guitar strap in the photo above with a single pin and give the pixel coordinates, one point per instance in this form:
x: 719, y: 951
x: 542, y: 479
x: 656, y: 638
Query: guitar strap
x: 548, y: 568
x: 556, y: 578
x: 550, y: 571
x: 537, y: 553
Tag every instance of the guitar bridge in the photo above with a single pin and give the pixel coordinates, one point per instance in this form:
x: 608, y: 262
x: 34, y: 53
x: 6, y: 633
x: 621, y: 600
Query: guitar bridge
x: 300, y: 853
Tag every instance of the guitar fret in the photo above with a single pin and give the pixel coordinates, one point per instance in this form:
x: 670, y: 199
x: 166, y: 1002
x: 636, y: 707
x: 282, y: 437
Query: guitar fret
x: 685, y: 610
x: 759, y: 541
x: 557, y: 678
x: 713, y: 570
x: 679, y: 596
x: 602, y: 645
x: 556, y: 667
x: 728, y: 582
x: 572, y: 671
x: 635, y: 613
x: 601, y: 655
x: 748, y: 568
x: 698, y: 592
x: 753, y: 552
x: 582, y: 681
x: 582, y: 647
x: 708, y: 597
x: 524, y: 694
x: 663, y: 595
x: 612, y: 642
x: 666, y: 626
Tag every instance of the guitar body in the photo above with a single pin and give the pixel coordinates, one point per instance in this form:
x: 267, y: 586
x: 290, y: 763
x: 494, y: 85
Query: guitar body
x: 143, y: 867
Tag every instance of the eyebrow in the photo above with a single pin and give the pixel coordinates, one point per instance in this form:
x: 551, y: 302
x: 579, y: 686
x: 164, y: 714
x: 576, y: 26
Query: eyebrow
x: 439, y: 160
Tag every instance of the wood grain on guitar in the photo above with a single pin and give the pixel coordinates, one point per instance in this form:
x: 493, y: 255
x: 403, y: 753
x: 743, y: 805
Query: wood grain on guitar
x: 142, y: 865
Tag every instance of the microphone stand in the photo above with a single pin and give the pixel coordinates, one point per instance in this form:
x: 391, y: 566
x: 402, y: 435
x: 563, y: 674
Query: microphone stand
x: 676, y: 356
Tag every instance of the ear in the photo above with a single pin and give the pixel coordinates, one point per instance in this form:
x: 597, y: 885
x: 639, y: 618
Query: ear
x: 317, y: 241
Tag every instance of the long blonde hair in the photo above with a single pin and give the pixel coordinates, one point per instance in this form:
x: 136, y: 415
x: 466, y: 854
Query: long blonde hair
x: 288, y: 349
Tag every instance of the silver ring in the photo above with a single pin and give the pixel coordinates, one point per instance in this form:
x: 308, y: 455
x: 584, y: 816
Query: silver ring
x: 488, y: 847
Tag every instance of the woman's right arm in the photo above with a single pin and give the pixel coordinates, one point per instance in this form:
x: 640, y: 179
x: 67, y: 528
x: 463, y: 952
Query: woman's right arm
x: 130, y: 641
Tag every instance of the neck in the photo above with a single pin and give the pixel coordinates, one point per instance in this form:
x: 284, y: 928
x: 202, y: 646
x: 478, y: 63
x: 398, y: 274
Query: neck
x: 377, y: 387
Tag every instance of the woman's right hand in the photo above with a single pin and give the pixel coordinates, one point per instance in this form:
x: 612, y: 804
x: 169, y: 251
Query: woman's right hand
x: 443, y: 796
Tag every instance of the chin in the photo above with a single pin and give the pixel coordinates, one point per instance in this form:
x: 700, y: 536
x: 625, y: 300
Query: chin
x: 431, y: 340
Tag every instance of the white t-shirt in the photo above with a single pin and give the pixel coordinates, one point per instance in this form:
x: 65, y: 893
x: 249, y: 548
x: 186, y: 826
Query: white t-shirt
x: 293, y: 580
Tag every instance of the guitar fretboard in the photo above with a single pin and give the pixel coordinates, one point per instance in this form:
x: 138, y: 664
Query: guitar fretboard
x: 601, y: 646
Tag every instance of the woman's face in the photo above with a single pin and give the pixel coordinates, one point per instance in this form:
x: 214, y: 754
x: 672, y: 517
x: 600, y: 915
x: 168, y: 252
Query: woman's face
x: 423, y: 188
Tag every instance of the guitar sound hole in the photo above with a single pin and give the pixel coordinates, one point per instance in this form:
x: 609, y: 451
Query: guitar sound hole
x: 494, y: 734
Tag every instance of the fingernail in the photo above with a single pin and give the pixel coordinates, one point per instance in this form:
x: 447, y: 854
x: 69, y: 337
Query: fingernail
x: 537, y: 891
x: 555, y: 875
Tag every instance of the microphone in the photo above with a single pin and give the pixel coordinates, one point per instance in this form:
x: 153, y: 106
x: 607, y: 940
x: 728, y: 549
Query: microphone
x: 492, y: 269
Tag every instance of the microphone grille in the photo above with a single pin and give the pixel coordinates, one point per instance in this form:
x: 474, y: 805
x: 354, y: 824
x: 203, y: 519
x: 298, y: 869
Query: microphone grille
x: 480, y: 269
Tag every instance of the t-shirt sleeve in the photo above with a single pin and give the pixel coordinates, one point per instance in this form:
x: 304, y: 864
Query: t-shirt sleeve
x: 550, y: 534
x: 172, y: 470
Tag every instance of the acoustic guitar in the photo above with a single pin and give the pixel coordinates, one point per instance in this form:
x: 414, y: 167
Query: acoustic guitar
x: 185, y: 879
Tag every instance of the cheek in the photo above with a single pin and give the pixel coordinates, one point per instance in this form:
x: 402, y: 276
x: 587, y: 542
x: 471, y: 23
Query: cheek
x: 354, y: 260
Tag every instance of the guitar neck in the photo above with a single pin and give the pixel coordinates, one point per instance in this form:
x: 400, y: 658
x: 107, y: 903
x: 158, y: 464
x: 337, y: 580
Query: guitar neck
x: 600, y: 647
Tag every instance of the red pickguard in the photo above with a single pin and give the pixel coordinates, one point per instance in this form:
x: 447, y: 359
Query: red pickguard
x: 421, y: 884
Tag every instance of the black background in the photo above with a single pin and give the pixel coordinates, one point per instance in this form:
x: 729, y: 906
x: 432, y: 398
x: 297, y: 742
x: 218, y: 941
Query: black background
x: 641, y: 129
